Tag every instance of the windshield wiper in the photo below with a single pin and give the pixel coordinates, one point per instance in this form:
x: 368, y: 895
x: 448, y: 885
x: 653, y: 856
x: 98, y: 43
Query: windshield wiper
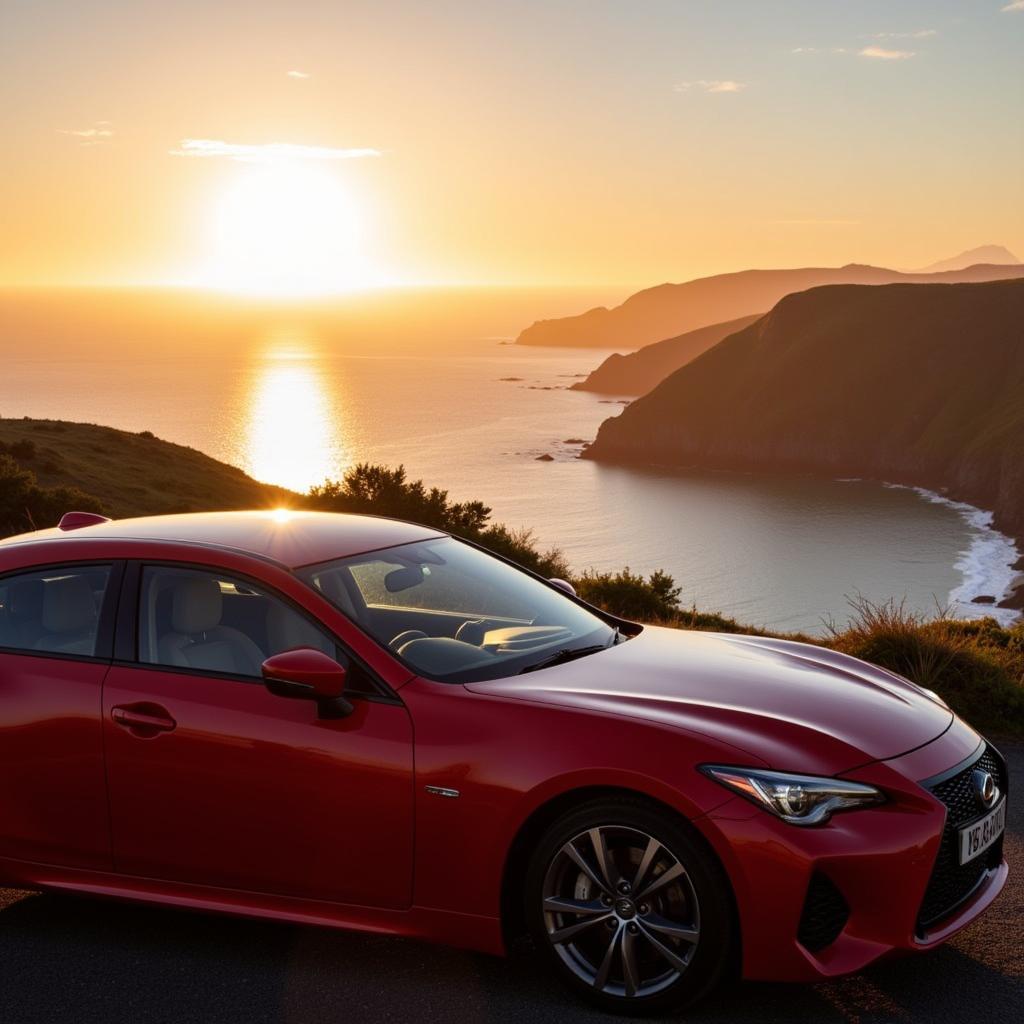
x: 564, y: 655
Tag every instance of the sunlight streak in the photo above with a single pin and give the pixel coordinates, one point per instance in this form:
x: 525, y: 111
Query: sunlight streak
x: 292, y: 434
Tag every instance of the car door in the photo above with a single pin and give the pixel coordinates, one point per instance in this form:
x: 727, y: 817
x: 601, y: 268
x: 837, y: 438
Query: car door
x: 56, y: 630
x: 214, y: 781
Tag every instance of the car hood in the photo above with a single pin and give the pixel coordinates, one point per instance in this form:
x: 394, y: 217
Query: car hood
x: 790, y: 705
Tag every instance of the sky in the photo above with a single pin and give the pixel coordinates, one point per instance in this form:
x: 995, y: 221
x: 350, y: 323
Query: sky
x: 346, y: 144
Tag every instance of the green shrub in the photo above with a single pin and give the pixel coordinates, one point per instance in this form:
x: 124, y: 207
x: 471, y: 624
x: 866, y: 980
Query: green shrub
x: 382, y: 491
x: 628, y: 594
x: 712, y: 622
x: 379, y: 490
x: 24, y: 450
x: 520, y: 547
x: 24, y: 505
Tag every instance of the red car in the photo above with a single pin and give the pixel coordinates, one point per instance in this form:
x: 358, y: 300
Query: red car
x: 359, y: 722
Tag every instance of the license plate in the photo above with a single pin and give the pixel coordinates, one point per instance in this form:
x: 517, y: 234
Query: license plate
x: 976, y: 838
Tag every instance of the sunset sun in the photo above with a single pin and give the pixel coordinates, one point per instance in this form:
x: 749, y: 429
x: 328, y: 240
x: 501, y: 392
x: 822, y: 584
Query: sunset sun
x: 285, y: 227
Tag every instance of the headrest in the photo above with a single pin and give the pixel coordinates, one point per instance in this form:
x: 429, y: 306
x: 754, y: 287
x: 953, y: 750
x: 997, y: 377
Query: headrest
x: 25, y: 600
x: 196, y: 605
x: 287, y: 630
x: 68, y: 605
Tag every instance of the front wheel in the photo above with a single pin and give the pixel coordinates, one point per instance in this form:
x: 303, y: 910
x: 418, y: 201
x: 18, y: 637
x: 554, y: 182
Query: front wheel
x: 633, y: 913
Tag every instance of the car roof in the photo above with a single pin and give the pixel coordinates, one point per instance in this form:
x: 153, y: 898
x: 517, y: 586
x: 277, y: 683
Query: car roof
x: 288, y: 537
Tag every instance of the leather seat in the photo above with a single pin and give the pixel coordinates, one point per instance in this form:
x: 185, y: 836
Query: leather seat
x: 472, y: 631
x: 334, y: 589
x: 197, y: 639
x: 68, y: 617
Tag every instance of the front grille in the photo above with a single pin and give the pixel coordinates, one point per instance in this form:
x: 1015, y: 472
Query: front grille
x: 824, y: 915
x: 952, y: 882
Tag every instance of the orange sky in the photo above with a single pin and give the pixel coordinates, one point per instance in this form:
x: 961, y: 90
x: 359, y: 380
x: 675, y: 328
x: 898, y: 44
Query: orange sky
x: 572, y: 141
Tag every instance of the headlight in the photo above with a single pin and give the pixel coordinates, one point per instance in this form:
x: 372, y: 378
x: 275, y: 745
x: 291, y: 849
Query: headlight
x: 798, y: 799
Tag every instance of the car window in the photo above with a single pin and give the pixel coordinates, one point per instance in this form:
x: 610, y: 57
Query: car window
x: 212, y: 622
x: 53, y: 610
x: 453, y: 612
x: 444, y: 586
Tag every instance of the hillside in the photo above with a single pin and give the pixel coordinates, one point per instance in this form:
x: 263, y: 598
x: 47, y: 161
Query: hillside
x: 921, y: 384
x: 970, y: 258
x: 131, y: 474
x: 638, y: 372
x: 672, y: 309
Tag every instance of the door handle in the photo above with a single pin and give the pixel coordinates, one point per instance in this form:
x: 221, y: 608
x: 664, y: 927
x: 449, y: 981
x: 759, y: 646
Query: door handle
x: 143, y: 720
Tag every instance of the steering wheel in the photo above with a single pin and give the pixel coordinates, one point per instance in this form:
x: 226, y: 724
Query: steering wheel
x: 472, y: 631
x: 404, y: 637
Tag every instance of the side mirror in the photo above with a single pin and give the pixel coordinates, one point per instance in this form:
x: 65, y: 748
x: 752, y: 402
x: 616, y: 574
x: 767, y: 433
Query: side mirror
x: 308, y: 674
x: 563, y: 585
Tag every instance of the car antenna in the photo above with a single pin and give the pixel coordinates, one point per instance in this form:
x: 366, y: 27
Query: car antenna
x: 76, y: 520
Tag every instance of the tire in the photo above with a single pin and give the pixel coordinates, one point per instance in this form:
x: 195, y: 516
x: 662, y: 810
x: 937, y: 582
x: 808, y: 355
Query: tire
x: 630, y: 950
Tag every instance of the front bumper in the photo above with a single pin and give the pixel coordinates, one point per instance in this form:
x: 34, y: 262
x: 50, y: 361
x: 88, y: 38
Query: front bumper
x: 815, y: 903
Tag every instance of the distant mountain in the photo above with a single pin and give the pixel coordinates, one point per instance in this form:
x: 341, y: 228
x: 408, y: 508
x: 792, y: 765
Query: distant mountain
x: 638, y: 372
x: 991, y: 254
x: 920, y: 385
x: 672, y: 309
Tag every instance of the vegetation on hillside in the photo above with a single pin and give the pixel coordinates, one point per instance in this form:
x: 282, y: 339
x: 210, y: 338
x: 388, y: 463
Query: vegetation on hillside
x: 24, y: 505
x: 977, y: 666
x: 131, y: 474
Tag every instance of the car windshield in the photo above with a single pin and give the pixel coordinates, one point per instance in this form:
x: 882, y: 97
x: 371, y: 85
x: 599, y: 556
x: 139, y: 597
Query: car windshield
x: 457, y: 614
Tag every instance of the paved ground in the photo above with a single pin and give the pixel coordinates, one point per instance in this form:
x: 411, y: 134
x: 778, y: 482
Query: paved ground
x: 66, y: 960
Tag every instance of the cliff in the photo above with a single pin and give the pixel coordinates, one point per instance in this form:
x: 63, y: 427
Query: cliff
x: 638, y: 372
x: 922, y: 385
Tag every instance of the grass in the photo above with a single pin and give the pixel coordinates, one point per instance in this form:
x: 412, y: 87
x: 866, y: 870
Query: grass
x: 132, y: 474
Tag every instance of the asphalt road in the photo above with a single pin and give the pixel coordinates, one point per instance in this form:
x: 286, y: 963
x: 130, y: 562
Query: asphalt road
x: 68, y: 960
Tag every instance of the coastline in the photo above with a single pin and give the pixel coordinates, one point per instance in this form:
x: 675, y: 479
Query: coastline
x: 991, y: 565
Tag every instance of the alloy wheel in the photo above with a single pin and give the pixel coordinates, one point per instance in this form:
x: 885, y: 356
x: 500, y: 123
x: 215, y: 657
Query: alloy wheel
x: 621, y: 911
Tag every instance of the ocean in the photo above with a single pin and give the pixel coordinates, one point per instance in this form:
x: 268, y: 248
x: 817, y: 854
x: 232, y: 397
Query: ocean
x: 294, y: 394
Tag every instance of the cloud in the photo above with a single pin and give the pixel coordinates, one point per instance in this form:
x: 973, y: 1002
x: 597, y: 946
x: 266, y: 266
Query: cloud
x: 712, y: 85
x: 924, y: 33
x: 267, y: 152
x: 880, y: 53
x: 1017, y: 5
x: 101, y: 131
x: 876, y: 52
x: 297, y: 74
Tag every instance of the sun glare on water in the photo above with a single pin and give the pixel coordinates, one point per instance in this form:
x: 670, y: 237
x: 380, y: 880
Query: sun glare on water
x: 285, y: 228
x: 292, y: 431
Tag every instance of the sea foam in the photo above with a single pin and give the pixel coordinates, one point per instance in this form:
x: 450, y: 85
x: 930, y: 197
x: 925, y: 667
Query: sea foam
x: 986, y: 565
